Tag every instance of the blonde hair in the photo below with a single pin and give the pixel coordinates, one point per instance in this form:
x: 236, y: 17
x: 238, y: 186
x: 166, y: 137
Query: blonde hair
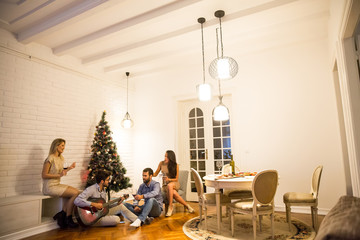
x: 55, y: 144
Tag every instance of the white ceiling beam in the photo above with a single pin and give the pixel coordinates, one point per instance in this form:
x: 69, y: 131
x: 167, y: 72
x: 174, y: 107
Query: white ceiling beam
x: 29, y: 34
x: 64, y: 48
x: 232, y: 16
x: 31, y: 11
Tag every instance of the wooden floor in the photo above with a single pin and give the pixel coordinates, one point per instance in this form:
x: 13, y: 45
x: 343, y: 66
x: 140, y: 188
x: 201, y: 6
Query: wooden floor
x: 161, y: 228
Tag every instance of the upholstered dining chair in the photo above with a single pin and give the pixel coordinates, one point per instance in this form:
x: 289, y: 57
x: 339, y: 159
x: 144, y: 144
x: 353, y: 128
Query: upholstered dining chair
x: 305, y: 199
x: 206, y: 199
x: 263, y: 191
x: 235, y: 194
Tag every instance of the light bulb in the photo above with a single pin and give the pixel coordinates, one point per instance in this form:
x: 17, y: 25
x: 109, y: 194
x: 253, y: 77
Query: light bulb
x: 204, y: 92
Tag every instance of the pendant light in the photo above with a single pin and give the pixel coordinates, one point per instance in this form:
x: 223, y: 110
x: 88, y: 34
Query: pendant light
x: 222, y: 68
x: 127, y: 122
x: 203, y: 89
x: 221, y: 112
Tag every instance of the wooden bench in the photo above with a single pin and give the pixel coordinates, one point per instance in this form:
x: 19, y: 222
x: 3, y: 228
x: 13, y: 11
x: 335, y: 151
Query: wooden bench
x: 23, y: 212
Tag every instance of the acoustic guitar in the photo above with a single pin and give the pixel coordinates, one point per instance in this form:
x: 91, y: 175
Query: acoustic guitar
x: 87, y: 216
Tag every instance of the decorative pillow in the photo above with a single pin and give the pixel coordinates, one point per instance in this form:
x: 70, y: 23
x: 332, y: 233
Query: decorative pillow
x: 342, y: 222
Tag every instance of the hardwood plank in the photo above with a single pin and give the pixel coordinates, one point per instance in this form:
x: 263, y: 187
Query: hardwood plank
x: 161, y: 228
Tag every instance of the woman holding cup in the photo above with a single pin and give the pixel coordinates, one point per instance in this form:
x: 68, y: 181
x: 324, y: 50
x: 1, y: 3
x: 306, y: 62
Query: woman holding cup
x: 53, y: 170
x: 170, y: 173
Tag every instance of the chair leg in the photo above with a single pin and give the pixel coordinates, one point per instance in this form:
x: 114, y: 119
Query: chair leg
x: 200, y: 213
x: 260, y: 219
x: 232, y: 222
x: 205, y: 213
x: 220, y: 213
x: 314, y: 213
x: 254, y: 225
x: 272, y: 225
x: 288, y: 215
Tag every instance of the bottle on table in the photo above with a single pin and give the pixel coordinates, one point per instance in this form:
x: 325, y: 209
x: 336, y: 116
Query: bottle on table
x: 232, y: 164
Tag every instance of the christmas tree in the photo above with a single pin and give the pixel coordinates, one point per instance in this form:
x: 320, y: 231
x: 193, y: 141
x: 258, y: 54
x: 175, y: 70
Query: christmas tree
x: 104, y: 157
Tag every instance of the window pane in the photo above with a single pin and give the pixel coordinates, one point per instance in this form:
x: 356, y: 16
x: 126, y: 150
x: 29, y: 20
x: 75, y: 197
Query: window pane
x: 200, y: 122
x: 192, y: 144
x: 200, y: 132
x: 193, y: 165
x: 192, y: 133
x: 227, y: 153
x: 218, y: 165
x: 226, y: 162
x: 192, y: 123
x: 192, y: 154
x: 217, y: 154
x: 225, y: 123
x: 201, y: 143
x: 216, y: 132
x: 201, y: 165
x: 201, y: 154
x: 217, y: 142
x: 226, y: 143
x: 226, y: 131
x: 202, y: 174
x: 199, y: 113
x: 216, y: 123
x: 193, y: 187
x: 192, y: 113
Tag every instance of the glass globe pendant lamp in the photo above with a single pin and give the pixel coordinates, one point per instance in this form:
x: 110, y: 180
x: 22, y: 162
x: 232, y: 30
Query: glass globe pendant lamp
x: 222, y: 68
x: 127, y: 122
x: 221, y: 112
x: 203, y: 89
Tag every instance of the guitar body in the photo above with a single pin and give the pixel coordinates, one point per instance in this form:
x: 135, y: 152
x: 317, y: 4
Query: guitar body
x: 87, y: 216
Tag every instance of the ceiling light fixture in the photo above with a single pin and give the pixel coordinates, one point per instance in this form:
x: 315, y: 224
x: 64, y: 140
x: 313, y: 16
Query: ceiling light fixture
x: 222, y: 68
x: 127, y: 122
x: 203, y: 89
x: 221, y: 112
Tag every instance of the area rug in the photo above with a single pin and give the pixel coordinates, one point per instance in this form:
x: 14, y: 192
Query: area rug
x: 244, y: 230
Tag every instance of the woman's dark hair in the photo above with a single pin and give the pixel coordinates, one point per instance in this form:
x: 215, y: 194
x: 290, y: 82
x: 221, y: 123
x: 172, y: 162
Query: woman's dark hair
x: 172, y: 165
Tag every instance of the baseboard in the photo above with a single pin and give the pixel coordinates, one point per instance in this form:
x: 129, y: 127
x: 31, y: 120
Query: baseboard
x: 299, y: 209
x: 30, y: 231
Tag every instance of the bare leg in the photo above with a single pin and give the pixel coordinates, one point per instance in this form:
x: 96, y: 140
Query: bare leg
x: 70, y: 193
x: 170, y: 193
x: 178, y: 198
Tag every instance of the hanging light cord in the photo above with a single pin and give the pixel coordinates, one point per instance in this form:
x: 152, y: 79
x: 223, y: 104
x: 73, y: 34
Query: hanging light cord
x: 219, y: 89
x: 221, y: 42
x: 127, y: 93
x: 203, y: 52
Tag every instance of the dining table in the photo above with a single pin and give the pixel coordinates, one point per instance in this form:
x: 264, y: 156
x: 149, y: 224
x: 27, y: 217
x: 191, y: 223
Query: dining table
x: 218, y: 183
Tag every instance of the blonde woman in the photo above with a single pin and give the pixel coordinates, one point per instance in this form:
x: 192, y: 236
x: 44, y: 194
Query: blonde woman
x: 53, y: 170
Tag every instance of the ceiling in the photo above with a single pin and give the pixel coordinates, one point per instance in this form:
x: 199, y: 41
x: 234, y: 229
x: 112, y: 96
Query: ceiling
x: 139, y: 35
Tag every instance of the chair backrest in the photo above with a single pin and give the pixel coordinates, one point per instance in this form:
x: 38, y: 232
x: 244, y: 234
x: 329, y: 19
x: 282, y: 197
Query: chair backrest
x: 198, y: 183
x: 264, y: 186
x: 226, y: 169
x: 315, y: 183
x: 183, y: 180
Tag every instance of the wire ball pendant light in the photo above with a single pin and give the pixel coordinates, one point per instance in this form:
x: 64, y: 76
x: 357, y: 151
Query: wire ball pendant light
x: 127, y: 122
x: 222, y: 68
x: 203, y: 89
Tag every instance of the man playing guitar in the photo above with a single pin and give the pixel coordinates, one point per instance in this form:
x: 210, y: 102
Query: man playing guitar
x: 91, y: 205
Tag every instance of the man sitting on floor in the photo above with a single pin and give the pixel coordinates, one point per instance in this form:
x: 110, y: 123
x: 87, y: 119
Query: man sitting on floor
x: 97, y: 190
x: 150, y: 191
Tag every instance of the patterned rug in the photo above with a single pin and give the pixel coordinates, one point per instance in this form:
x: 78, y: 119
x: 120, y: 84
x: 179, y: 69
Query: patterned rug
x: 244, y: 229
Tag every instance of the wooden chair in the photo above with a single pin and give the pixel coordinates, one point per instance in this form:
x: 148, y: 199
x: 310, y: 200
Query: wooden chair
x: 263, y: 191
x: 206, y: 199
x: 235, y: 194
x: 305, y: 199
x: 183, y: 180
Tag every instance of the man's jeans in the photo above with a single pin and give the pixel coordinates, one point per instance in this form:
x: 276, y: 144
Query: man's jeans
x: 151, y: 208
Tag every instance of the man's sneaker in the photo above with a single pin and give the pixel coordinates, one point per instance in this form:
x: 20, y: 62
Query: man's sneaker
x: 148, y: 220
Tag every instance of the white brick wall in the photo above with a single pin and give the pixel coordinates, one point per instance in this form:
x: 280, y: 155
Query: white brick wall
x: 40, y: 101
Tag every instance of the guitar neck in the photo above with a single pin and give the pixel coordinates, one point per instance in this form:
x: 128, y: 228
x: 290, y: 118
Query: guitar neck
x: 115, y: 200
